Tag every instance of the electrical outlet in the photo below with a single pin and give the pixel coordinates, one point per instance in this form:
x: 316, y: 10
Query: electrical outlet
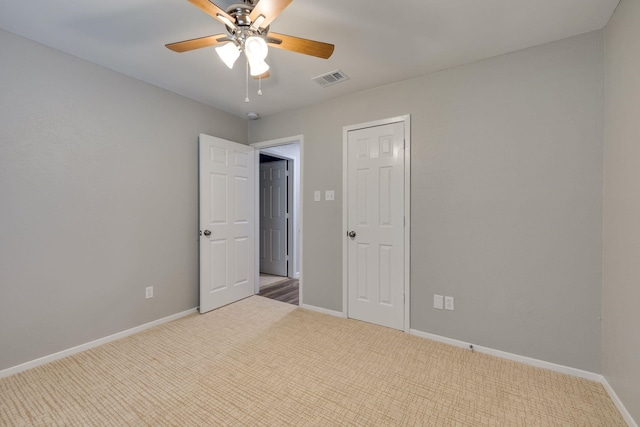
x: 316, y: 196
x: 448, y: 303
x: 438, y: 302
x: 148, y: 292
x: 329, y: 195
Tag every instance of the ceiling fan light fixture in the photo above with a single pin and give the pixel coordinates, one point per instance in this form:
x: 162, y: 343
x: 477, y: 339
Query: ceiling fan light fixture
x: 258, y: 66
x: 229, y: 53
x: 248, y: 31
x: 256, y: 48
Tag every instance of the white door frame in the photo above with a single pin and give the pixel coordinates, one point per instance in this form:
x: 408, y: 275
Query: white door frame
x: 291, y: 264
x: 406, y: 119
x: 296, y: 139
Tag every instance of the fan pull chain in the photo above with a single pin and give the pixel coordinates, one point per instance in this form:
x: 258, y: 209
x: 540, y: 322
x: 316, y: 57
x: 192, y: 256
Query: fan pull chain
x: 260, y: 85
x: 246, y: 87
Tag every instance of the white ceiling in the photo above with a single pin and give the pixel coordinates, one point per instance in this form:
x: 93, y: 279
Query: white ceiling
x: 376, y: 42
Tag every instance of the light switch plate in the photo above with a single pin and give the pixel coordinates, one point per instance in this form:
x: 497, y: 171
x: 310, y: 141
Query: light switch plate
x: 438, y: 302
x: 329, y: 195
x: 316, y: 196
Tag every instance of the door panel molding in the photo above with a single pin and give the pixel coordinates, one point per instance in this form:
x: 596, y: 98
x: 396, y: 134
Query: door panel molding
x: 406, y: 121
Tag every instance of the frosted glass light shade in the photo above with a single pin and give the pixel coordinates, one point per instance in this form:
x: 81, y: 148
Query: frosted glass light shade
x: 229, y: 53
x: 255, y: 48
x: 258, y: 67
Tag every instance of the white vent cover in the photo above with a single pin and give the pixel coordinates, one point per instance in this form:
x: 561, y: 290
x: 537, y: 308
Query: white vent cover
x: 331, y: 78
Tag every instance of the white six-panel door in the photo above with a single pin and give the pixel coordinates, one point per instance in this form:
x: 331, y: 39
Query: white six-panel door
x: 273, y: 220
x: 375, y: 220
x: 227, y: 209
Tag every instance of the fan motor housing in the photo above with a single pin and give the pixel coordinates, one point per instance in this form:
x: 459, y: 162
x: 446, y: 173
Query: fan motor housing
x: 241, y: 13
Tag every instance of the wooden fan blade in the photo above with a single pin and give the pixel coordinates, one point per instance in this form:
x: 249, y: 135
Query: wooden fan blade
x: 262, y: 76
x: 213, y: 10
x: 198, y: 43
x: 297, y: 44
x: 270, y: 9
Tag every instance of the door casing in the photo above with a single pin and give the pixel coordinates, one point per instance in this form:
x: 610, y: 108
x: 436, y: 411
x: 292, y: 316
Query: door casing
x: 406, y: 119
x: 297, y: 255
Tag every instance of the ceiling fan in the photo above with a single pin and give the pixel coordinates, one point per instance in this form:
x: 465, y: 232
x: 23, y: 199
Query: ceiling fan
x: 247, y: 27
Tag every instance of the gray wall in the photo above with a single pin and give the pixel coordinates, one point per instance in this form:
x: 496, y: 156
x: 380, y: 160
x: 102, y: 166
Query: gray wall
x: 621, y: 338
x: 506, y: 197
x: 98, y: 199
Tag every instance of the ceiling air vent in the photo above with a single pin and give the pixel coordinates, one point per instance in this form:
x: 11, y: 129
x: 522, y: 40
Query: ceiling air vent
x: 331, y: 78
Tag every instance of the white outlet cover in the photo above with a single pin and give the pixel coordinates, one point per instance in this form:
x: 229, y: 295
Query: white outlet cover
x: 438, y: 302
x: 329, y: 195
x: 148, y: 292
x: 448, y: 303
x: 316, y: 196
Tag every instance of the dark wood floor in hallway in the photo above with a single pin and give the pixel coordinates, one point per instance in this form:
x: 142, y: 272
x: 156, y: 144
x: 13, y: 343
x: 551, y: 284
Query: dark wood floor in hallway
x: 285, y: 291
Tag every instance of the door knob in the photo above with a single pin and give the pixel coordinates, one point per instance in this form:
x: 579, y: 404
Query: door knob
x: 351, y: 234
x: 207, y: 233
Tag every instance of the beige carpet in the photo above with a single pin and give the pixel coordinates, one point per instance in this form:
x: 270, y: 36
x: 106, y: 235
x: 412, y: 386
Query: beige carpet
x: 264, y: 363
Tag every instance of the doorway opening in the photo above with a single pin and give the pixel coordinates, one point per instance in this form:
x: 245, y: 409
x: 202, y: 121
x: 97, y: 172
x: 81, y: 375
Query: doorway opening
x: 279, y: 219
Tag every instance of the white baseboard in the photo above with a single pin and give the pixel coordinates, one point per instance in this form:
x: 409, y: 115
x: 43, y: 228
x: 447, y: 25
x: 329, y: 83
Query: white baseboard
x: 537, y: 363
x: 510, y: 356
x: 623, y: 411
x: 82, y: 347
x: 324, y: 310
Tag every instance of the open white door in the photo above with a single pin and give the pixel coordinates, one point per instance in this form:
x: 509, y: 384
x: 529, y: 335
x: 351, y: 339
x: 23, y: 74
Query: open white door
x: 273, y: 218
x: 227, y: 225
